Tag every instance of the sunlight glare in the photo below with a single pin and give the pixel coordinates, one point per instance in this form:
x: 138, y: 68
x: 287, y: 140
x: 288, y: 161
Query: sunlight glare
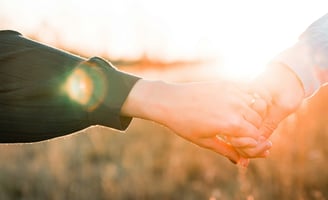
x: 86, y: 86
x: 246, y: 34
x: 79, y: 87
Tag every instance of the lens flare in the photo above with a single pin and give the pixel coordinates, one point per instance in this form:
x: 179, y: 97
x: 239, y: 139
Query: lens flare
x: 79, y: 87
x: 86, y: 86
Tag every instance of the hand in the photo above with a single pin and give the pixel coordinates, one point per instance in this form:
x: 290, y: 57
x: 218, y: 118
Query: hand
x: 260, y: 104
x: 198, y: 112
x: 283, y: 92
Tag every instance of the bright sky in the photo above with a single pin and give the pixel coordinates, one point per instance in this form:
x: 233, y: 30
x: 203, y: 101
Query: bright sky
x: 246, y: 34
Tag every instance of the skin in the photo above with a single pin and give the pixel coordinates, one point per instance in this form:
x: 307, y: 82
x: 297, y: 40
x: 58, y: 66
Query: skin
x: 279, y: 85
x: 198, y: 112
x: 243, y: 127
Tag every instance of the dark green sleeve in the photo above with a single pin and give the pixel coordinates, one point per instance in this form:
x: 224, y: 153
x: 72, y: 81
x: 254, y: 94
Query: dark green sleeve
x: 46, y: 92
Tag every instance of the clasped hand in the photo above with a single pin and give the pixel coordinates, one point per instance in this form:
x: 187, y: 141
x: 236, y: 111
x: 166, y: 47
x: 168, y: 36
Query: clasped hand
x: 224, y: 117
x: 236, y: 120
x: 230, y: 119
x: 273, y: 99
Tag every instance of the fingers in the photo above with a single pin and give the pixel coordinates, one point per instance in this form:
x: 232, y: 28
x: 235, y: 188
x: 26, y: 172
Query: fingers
x: 250, y: 148
x: 242, y: 142
x: 258, y: 101
x: 254, y: 109
x: 217, y: 145
x: 244, y: 128
x: 261, y: 91
x: 260, y: 106
x: 252, y: 117
x: 245, y: 123
x: 269, y: 125
x: 260, y: 151
x: 274, y: 117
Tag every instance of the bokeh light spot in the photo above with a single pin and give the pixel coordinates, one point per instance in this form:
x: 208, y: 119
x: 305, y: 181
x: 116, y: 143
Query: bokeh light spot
x: 79, y: 86
x: 86, y: 86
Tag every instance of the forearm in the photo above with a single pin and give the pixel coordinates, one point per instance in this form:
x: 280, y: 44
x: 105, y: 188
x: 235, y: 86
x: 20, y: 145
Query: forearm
x: 308, y: 58
x: 148, y: 100
x: 299, y: 58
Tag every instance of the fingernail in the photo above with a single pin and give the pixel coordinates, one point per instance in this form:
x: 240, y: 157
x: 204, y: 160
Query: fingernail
x: 266, y: 153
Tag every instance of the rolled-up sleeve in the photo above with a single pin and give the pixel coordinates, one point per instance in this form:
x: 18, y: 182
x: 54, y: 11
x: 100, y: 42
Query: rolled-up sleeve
x: 308, y: 58
x: 46, y: 92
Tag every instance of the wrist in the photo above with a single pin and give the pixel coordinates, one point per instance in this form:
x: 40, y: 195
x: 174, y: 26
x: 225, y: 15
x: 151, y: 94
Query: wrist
x: 284, y: 85
x: 148, y: 100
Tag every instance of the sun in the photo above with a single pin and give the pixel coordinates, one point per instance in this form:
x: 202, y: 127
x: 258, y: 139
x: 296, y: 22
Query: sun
x: 245, y: 34
x: 245, y: 63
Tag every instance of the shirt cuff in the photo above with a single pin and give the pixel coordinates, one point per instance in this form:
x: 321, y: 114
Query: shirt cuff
x: 111, y: 88
x: 299, y: 59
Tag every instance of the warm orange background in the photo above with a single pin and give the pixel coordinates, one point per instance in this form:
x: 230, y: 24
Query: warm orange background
x: 176, y: 41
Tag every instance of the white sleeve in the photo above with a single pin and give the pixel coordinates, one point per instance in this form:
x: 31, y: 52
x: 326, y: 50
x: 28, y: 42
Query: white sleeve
x: 308, y: 58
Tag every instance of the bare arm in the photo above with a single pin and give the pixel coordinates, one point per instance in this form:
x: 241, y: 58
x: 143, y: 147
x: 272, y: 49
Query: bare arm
x: 198, y: 112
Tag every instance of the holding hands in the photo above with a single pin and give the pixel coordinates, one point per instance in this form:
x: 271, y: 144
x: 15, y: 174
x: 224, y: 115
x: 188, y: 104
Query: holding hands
x: 227, y: 118
x: 283, y: 96
x: 236, y: 122
x: 232, y: 120
x: 224, y: 117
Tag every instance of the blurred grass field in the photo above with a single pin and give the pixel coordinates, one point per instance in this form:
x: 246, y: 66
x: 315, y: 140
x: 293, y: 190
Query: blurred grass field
x: 150, y: 162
